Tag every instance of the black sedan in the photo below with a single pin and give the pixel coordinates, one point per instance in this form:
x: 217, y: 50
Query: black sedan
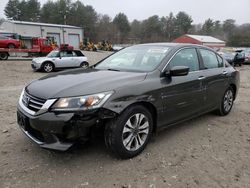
x: 131, y: 94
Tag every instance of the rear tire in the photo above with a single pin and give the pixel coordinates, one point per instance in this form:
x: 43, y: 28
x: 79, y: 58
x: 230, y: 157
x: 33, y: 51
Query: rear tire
x: 129, y: 133
x: 227, y: 102
x: 84, y: 65
x: 48, y: 67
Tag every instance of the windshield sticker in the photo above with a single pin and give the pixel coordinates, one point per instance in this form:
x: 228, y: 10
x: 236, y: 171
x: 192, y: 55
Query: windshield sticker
x: 159, y: 50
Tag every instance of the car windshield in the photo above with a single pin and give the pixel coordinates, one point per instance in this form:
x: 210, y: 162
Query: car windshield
x: 143, y: 58
x: 53, y: 54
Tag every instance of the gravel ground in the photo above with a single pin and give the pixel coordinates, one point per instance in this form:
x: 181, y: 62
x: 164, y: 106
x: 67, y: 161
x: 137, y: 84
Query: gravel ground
x: 209, y: 151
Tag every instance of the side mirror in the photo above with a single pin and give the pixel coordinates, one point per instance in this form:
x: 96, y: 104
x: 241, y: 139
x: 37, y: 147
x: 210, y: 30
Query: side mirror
x: 178, y: 71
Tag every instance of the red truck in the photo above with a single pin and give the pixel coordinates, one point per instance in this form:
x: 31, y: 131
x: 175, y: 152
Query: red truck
x: 39, y: 46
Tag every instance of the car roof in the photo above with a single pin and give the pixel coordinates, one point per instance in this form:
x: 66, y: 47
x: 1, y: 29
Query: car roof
x: 65, y: 50
x: 176, y: 45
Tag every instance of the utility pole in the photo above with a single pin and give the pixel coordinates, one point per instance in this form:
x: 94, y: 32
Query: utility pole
x: 65, y: 18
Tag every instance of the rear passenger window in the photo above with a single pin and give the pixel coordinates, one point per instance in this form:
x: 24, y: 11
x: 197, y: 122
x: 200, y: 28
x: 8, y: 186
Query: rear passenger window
x: 186, y: 57
x: 209, y: 59
x: 220, y: 60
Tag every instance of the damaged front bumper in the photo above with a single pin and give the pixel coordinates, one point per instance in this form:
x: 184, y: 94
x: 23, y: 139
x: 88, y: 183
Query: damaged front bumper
x: 59, y: 131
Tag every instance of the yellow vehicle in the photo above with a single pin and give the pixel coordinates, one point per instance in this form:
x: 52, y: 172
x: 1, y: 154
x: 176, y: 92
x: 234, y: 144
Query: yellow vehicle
x: 105, y: 46
x: 89, y: 46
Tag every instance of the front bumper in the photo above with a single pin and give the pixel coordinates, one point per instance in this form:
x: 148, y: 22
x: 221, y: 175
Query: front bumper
x: 35, y: 66
x: 56, y: 131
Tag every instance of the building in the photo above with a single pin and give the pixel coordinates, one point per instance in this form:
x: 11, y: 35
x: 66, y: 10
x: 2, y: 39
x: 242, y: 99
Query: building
x: 202, y: 40
x: 62, y: 34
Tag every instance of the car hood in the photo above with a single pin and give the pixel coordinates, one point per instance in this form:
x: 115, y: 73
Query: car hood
x: 81, y: 82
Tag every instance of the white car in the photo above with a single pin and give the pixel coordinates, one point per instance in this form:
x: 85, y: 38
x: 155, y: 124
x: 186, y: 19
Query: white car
x: 60, y: 59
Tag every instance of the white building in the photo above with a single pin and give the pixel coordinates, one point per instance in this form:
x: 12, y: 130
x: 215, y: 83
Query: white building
x: 63, y: 34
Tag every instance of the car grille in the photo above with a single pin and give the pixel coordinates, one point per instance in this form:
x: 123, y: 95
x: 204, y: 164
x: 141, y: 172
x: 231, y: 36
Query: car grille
x: 32, y: 103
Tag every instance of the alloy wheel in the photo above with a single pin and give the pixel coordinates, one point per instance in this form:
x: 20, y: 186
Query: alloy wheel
x: 228, y: 100
x: 135, y: 132
x: 48, y: 67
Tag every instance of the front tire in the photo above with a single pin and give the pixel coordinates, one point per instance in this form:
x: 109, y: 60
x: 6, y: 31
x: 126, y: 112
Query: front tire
x: 227, y: 102
x: 84, y: 65
x: 129, y: 133
x: 48, y: 67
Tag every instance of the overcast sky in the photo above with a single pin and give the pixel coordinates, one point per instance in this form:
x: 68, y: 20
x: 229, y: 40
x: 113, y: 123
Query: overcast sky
x: 200, y: 10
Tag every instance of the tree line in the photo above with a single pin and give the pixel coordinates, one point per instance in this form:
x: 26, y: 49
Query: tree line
x: 100, y: 27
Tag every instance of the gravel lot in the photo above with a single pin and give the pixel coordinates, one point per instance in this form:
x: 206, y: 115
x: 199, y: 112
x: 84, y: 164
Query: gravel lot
x: 209, y: 151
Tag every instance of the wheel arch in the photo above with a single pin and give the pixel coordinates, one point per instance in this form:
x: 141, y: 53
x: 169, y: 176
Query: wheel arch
x: 150, y: 107
x: 235, y: 89
x: 47, y: 61
x: 11, y: 44
x: 84, y: 62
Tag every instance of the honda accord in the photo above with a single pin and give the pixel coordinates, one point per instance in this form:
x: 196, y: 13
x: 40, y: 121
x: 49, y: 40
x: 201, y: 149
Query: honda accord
x: 130, y: 94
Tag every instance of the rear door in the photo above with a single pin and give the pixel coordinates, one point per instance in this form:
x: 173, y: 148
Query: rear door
x: 216, y: 77
x: 183, y: 96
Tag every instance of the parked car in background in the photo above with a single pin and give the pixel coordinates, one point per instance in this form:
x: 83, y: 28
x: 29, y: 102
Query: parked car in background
x: 227, y: 54
x: 6, y: 42
x: 233, y: 57
x: 129, y: 95
x: 247, y: 58
x: 60, y: 59
x: 239, y: 57
x: 247, y: 55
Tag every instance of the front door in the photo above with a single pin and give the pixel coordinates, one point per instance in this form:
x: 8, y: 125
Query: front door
x: 183, y: 96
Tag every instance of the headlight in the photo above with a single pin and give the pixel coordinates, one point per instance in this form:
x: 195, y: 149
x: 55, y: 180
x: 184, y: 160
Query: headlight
x: 82, y: 103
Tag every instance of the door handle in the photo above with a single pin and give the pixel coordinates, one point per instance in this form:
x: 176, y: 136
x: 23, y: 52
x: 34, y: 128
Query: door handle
x: 224, y: 73
x: 201, y: 77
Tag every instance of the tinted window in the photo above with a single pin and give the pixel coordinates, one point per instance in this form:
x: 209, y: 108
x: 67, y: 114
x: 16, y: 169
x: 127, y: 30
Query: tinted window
x: 220, y: 60
x: 74, y: 54
x: 78, y: 53
x: 209, y: 59
x: 186, y: 57
x: 240, y: 55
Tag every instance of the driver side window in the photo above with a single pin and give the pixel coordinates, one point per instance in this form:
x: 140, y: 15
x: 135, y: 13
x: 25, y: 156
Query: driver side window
x: 186, y: 57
